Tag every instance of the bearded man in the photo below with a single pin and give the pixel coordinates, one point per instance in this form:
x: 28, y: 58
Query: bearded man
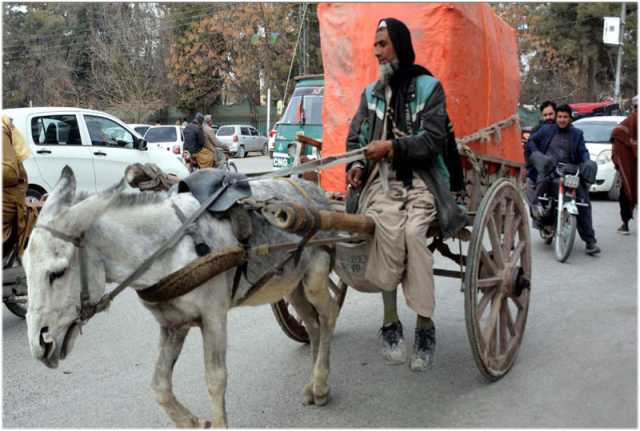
x: 404, y: 186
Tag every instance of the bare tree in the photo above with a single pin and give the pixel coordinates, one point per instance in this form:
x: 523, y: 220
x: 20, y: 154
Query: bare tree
x: 125, y: 57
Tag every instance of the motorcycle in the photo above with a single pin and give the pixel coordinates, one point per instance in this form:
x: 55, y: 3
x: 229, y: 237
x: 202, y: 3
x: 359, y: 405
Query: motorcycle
x: 560, y: 219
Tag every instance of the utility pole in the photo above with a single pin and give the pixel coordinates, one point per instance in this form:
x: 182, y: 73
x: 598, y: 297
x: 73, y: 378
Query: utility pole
x: 302, y: 40
x: 616, y: 88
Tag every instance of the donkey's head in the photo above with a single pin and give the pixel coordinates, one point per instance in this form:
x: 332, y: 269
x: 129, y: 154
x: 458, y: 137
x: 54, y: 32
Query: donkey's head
x: 53, y: 268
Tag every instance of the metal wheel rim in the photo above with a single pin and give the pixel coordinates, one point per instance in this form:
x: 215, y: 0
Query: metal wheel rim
x: 495, y: 339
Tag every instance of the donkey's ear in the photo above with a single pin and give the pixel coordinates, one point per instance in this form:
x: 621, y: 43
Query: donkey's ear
x: 62, y: 194
x: 80, y: 216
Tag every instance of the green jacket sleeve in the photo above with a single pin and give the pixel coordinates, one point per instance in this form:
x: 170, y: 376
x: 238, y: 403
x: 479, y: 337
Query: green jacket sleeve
x: 430, y: 139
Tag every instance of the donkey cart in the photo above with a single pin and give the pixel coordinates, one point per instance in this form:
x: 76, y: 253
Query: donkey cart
x: 495, y: 271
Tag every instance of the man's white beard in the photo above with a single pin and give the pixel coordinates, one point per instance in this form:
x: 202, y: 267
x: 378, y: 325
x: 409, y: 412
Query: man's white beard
x: 386, y: 70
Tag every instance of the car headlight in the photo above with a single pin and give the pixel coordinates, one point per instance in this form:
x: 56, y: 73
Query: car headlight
x: 604, y: 157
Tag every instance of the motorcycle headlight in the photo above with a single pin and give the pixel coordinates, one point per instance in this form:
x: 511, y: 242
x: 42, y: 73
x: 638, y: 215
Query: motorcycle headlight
x: 604, y: 157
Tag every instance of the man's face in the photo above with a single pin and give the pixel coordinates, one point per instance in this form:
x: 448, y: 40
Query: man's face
x: 548, y: 114
x: 383, y: 48
x: 563, y: 119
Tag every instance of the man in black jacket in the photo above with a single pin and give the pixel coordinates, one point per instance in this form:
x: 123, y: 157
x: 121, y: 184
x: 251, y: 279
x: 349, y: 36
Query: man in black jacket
x: 404, y: 185
x: 194, y: 141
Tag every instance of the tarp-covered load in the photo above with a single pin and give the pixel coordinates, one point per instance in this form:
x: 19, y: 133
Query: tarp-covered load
x: 466, y: 46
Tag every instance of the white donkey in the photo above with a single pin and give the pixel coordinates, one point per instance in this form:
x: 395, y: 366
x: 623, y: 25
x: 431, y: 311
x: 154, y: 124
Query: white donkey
x: 118, y: 230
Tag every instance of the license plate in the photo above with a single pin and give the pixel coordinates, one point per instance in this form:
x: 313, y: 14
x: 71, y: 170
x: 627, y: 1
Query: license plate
x: 571, y: 181
x: 281, y: 162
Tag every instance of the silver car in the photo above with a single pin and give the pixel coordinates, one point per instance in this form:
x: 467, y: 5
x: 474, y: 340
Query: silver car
x: 239, y: 140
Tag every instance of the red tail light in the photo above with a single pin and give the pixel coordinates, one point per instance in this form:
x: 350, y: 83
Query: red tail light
x: 235, y: 138
x: 176, y: 149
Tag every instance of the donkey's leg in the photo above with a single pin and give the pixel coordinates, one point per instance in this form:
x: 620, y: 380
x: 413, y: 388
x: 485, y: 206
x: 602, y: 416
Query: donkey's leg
x: 316, y: 290
x: 310, y: 318
x: 214, y: 337
x: 171, y: 342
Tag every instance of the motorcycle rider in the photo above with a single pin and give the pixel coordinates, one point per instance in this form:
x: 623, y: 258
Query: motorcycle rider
x: 553, y: 144
x: 17, y: 219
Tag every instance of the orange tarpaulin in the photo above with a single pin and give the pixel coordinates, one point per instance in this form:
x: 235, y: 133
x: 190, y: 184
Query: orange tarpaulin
x: 466, y: 46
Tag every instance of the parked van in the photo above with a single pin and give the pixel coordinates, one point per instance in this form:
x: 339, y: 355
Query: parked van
x: 303, y: 115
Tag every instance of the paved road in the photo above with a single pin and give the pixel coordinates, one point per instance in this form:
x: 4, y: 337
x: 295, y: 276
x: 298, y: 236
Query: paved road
x: 576, y: 368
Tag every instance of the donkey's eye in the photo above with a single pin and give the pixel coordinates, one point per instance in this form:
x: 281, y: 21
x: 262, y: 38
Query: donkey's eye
x: 53, y: 276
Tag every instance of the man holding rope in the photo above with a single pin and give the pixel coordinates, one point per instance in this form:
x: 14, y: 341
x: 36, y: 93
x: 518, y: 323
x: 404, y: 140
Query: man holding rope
x: 404, y: 185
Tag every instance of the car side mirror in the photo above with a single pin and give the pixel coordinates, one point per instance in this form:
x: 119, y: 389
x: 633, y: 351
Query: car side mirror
x: 141, y: 144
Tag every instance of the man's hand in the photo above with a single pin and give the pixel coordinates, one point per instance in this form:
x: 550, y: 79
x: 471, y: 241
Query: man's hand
x: 354, y: 176
x: 377, y: 150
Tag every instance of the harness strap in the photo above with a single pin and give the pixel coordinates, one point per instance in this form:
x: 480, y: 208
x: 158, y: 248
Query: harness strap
x: 78, y: 241
x: 192, y: 230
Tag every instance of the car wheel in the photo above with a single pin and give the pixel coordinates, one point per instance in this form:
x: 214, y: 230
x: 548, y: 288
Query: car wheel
x: 614, y: 193
x: 34, y: 194
x: 265, y: 149
x: 241, y: 153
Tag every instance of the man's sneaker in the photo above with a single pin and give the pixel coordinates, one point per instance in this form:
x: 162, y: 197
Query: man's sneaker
x: 424, y: 347
x: 393, y: 348
x: 592, y: 248
x: 624, y: 229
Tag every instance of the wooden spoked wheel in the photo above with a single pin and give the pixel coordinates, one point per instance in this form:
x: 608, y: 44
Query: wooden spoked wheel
x: 291, y: 324
x: 497, y: 279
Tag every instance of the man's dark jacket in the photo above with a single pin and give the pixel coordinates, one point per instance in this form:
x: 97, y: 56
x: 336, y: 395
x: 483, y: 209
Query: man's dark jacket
x: 540, y: 141
x: 419, y: 150
x: 193, y: 138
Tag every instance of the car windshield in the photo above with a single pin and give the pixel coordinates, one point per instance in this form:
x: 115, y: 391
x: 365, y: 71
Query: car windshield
x: 312, y: 106
x: 161, y: 134
x: 596, y: 131
x: 225, y: 131
x: 141, y: 129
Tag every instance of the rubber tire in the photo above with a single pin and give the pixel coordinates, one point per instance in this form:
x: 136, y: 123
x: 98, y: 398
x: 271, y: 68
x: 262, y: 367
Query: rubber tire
x: 34, y: 194
x: 17, y: 309
x: 290, y: 325
x: 241, y: 154
x: 563, y: 255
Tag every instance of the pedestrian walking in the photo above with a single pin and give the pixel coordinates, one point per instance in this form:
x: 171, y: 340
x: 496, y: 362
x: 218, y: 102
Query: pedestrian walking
x: 625, y: 159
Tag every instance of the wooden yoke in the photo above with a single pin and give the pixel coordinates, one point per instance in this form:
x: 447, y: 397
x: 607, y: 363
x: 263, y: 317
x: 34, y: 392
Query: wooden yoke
x: 300, y: 219
x: 304, y: 141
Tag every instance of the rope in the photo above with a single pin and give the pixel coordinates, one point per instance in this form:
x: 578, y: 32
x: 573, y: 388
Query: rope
x: 297, y: 187
x: 485, y: 134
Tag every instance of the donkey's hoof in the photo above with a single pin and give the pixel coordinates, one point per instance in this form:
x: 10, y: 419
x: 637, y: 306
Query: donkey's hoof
x: 192, y: 422
x: 308, y: 394
x: 216, y: 424
x: 321, y: 399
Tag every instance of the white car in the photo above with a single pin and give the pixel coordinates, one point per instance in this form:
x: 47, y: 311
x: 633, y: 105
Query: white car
x: 241, y: 139
x: 165, y: 138
x: 96, y: 145
x: 597, y: 131
x: 140, y: 128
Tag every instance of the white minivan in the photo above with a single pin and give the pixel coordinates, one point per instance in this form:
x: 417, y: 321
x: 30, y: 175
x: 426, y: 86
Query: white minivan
x: 239, y: 140
x: 96, y: 145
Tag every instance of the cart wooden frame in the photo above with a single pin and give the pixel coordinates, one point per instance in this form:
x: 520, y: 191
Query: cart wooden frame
x: 495, y: 271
